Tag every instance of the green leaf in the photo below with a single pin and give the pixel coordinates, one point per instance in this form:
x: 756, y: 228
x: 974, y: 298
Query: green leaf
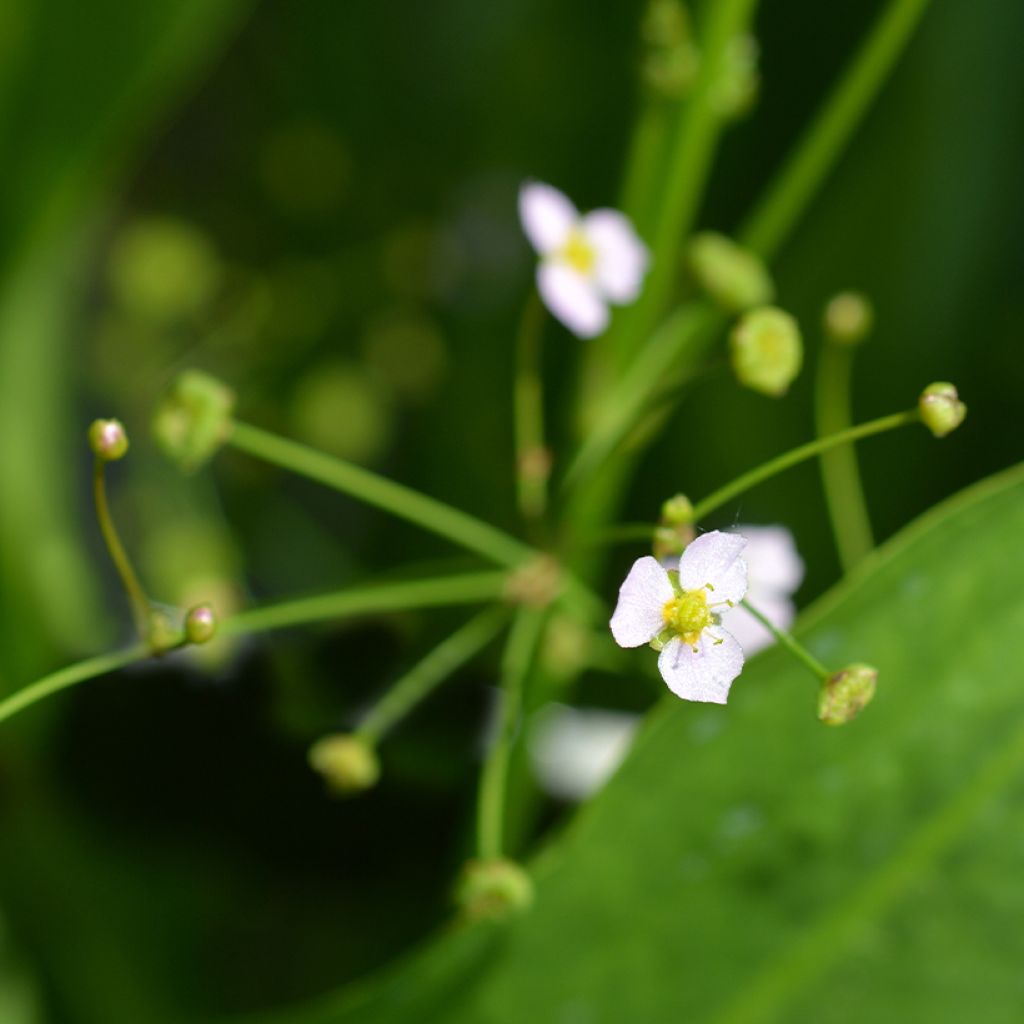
x: 750, y: 864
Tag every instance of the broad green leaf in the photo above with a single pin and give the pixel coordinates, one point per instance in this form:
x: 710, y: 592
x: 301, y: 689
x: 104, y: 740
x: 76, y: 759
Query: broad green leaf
x: 750, y: 864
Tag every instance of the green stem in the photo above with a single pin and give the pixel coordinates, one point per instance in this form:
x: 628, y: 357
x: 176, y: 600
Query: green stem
x: 800, y: 454
x: 627, y: 403
x: 840, y: 476
x: 101, y: 665
x: 532, y: 468
x: 467, y: 588
x: 688, y: 167
x: 122, y: 563
x: 465, y: 530
x: 826, y: 138
x: 642, y: 178
x: 420, y: 681
x: 791, y: 644
x: 519, y: 652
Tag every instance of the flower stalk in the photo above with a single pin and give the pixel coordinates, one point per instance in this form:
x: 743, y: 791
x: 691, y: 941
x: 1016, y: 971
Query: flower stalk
x: 420, y: 681
x: 787, y: 640
x: 533, y: 461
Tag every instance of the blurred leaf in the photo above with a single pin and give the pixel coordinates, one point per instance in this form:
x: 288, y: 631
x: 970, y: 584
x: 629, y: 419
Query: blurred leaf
x: 751, y: 864
x: 80, y: 84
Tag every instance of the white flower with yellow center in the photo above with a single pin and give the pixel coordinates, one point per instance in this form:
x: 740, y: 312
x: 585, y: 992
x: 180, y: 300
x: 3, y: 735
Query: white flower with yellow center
x: 679, y: 613
x: 587, y: 261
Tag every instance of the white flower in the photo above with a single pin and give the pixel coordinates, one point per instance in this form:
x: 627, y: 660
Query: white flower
x: 574, y: 751
x: 775, y: 571
x: 586, y: 261
x: 679, y: 613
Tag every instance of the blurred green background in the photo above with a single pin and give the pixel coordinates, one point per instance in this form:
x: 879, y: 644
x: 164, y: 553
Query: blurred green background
x: 316, y: 203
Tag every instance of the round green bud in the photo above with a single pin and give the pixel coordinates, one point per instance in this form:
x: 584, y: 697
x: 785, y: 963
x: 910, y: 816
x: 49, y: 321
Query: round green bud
x: 670, y: 73
x: 677, y: 511
x: 163, y: 629
x: 735, y: 278
x: 493, y: 889
x: 766, y: 350
x: 846, y: 693
x: 200, y: 624
x: 675, y: 529
x: 736, y: 90
x: 347, y: 762
x: 848, y: 318
x: 941, y: 409
x: 194, y: 420
x: 108, y: 440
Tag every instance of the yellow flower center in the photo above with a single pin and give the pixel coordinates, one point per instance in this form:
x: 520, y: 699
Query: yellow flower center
x: 688, y: 615
x: 579, y: 253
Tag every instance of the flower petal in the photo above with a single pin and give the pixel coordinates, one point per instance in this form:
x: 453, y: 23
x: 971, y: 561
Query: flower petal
x: 622, y: 258
x: 748, y: 632
x: 705, y: 674
x: 575, y: 750
x: 642, y: 598
x: 573, y: 298
x: 773, y: 563
x: 547, y: 216
x: 714, y: 558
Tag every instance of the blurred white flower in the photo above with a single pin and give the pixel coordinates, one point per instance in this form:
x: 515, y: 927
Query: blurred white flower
x: 587, y: 261
x: 574, y: 751
x: 679, y: 614
x: 774, y: 573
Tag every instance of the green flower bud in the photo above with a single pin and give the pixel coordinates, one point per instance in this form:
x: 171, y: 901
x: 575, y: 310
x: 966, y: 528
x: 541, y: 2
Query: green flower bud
x: 767, y: 350
x: 736, y: 90
x: 665, y: 24
x: 493, y: 889
x: 670, y: 73
x: 941, y: 409
x: 108, y: 440
x: 845, y: 693
x: 200, y: 624
x: 675, y: 529
x: 848, y: 318
x: 347, y: 762
x: 163, y: 629
x: 734, y: 277
x: 194, y: 420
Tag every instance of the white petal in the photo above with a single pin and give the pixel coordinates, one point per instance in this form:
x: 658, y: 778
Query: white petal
x: 575, y: 750
x: 642, y: 599
x: 622, y: 258
x: 573, y: 298
x: 706, y: 674
x: 749, y: 633
x: 714, y: 558
x: 773, y: 563
x: 547, y: 216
